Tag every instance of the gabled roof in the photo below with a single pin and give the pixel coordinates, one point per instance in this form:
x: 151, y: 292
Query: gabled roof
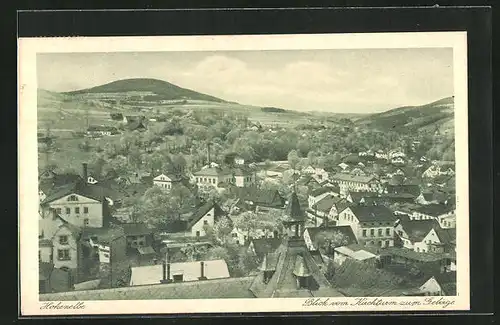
x: 447, y: 236
x: 202, y: 210
x: 373, y: 213
x: 80, y: 188
x: 326, y: 203
x: 417, y: 229
x: 293, y: 260
x: 261, y: 197
x: 104, y: 235
x: 357, y: 196
x: 319, y: 191
x: 448, y: 282
x: 135, y: 125
x: 369, y: 280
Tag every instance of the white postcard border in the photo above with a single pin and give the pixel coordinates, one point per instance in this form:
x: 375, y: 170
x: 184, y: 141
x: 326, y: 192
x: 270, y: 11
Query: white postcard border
x: 28, y: 171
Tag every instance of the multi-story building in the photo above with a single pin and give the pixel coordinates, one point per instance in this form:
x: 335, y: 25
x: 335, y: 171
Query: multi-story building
x: 372, y: 225
x: 356, y: 183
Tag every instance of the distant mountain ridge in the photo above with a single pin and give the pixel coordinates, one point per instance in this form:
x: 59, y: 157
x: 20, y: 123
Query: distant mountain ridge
x: 436, y: 115
x: 163, y: 89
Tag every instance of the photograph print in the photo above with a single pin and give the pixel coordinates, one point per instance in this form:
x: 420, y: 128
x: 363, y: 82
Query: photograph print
x: 328, y: 175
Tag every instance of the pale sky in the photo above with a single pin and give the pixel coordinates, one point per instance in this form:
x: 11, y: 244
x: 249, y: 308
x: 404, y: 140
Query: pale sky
x: 341, y: 81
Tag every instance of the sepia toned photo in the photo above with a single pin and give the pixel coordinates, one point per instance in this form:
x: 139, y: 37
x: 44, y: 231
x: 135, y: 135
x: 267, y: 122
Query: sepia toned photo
x: 322, y: 172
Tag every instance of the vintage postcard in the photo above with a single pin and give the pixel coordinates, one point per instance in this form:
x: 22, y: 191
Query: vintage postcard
x: 277, y: 173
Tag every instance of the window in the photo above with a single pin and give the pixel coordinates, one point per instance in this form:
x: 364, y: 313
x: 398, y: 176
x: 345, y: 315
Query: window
x: 388, y: 231
x: 364, y: 232
x: 86, y: 221
x: 72, y: 198
x: 205, y: 222
x: 77, y: 210
x: 85, y: 210
x: 234, y: 235
x: 58, y: 210
x: 380, y: 232
x: 63, y: 240
x: 387, y: 243
x: 68, y: 210
x: 197, y: 234
x: 63, y: 255
x: 372, y: 232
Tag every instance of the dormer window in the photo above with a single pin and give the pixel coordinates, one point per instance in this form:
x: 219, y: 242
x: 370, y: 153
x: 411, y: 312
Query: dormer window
x: 72, y: 198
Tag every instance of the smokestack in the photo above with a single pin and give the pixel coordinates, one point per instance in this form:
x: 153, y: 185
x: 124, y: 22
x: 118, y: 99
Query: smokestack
x: 208, y: 153
x: 85, y: 177
x: 166, y: 270
x: 202, y: 271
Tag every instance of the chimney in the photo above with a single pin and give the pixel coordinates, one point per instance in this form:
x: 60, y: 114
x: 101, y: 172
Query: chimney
x: 166, y: 270
x: 85, y: 177
x: 202, y: 271
x: 208, y: 153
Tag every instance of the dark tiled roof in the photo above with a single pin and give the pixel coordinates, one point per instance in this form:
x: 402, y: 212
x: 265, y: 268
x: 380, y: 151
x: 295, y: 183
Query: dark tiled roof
x: 293, y: 257
x: 417, y: 229
x: 81, y: 188
x: 410, y: 189
x: 448, y: 282
x: 357, y: 196
x: 261, y: 197
x: 263, y: 246
x: 203, y: 210
x: 434, y: 210
x: 373, y: 213
x: 104, y: 235
x: 136, y: 125
x: 207, y: 289
x: 447, y: 236
x: 364, y: 276
x: 345, y: 230
x: 326, y: 203
x: 319, y: 191
x: 136, y: 229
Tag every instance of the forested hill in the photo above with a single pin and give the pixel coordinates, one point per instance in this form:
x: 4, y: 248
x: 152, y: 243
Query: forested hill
x: 163, y: 90
x: 435, y: 116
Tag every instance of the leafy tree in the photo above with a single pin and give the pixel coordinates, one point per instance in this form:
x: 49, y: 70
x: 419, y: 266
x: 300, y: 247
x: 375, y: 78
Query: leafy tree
x: 293, y: 159
x: 328, y: 241
x: 248, y: 263
x: 222, y: 230
x: 194, y: 252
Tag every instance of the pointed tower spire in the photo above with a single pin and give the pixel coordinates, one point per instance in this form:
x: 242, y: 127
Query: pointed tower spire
x: 293, y: 210
x: 295, y: 218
